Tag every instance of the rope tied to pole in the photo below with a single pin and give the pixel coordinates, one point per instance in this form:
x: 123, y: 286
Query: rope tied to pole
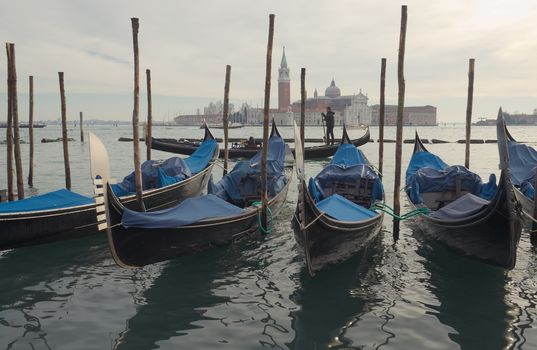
x: 270, y: 227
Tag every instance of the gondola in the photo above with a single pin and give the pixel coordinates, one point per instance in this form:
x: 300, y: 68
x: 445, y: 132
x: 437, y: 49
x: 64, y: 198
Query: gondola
x: 229, y: 212
x: 63, y: 214
x: 522, y: 163
x: 483, y: 221
x: 333, y: 219
x: 313, y: 152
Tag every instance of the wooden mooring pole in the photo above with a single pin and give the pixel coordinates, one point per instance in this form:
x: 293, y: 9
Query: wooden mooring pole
x: 135, y: 116
x: 302, y: 105
x: 149, y: 125
x: 381, y: 113
x: 81, y: 127
x: 225, y: 117
x: 65, y: 139
x: 399, y: 133
x: 264, y: 201
x: 12, y: 82
x: 31, y: 133
x: 469, y: 111
x: 9, y: 135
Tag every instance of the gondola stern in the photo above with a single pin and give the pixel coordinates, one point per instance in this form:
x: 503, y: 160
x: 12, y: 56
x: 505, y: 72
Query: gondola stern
x: 208, y: 134
x: 418, y: 144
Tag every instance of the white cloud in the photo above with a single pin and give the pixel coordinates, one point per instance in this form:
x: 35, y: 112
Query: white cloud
x: 187, y: 45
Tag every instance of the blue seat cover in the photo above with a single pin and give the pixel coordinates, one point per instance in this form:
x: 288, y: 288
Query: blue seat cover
x: 464, y: 206
x: 343, y: 209
x: 202, y: 156
x: 190, y: 211
x: 53, y: 200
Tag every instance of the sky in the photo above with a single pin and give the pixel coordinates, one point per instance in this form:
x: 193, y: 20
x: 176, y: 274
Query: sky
x: 187, y: 45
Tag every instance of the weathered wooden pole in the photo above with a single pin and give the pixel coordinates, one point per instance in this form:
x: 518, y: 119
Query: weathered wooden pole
x: 12, y: 82
x: 381, y: 112
x: 149, y: 124
x: 81, y: 127
x: 399, y: 133
x: 469, y: 111
x: 9, y: 135
x: 135, y: 115
x: 225, y: 116
x: 264, y: 202
x: 302, y: 105
x: 65, y: 139
x: 31, y: 133
x: 533, y: 232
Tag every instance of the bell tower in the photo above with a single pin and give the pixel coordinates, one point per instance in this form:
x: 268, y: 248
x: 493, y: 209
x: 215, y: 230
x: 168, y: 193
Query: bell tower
x: 284, y: 85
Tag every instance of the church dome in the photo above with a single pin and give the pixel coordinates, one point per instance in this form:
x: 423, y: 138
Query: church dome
x: 332, y: 91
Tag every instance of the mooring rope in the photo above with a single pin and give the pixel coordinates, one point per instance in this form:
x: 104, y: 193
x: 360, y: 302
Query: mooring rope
x: 270, y: 227
x: 390, y: 211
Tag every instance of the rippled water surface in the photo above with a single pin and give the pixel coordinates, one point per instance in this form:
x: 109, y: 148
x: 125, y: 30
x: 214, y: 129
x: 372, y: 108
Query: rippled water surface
x: 412, y: 294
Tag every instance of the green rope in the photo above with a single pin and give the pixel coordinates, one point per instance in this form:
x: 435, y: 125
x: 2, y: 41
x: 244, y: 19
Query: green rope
x: 270, y: 227
x: 386, y: 209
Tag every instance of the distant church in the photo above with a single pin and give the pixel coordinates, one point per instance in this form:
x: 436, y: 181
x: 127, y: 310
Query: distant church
x: 351, y: 110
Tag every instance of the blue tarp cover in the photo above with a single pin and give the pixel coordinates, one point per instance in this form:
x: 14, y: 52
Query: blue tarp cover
x: 173, y: 167
x: 334, y: 173
x: 348, y: 155
x: 53, y: 200
x: 202, y: 156
x: 340, y: 208
x: 464, y: 206
x: 522, y: 160
x: 428, y: 173
x: 190, y: 211
x: 244, y: 180
x: 423, y: 159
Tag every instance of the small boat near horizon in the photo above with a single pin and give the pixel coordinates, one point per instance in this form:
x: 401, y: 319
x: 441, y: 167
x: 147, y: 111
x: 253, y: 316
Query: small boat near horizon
x: 311, y: 152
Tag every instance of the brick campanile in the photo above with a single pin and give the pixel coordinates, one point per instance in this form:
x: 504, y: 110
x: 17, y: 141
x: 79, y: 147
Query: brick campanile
x: 284, y: 85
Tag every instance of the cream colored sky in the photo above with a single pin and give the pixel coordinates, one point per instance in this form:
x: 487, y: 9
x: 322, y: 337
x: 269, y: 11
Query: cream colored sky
x: 187, y: 45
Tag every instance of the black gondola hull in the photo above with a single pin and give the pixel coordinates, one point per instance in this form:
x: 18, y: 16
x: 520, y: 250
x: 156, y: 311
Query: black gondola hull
x: 31, y: 228
x: 490, y: 236
x: 24, y: 229
x: 136, y: 247
x: 329, y: 241
x: 314, y: 152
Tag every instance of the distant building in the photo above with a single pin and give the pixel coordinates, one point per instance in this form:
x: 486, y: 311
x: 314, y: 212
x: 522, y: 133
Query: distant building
x: 349, y: 109
x: 412, y: 115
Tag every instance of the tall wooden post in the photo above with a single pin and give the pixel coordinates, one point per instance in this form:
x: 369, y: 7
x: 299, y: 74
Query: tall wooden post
x: 302, y: 105
x: 135, y: 116
x: 12, y: 81
x: 225, y: 117
x: 264, y: 219
x: 382, y: 113
x: 31, y: 133
x: 81, y: 127
x: 400, y: 109
x: 9, y: 133
x: 469, y: 111
x: 533, y: 233
x: 149, y: 127
x: 64, y: 135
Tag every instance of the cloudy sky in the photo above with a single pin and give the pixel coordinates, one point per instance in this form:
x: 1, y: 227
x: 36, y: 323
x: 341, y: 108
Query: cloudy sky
x: 187, y: 45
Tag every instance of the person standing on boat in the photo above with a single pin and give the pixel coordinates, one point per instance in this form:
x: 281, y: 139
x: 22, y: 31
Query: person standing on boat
x: 329, y: 119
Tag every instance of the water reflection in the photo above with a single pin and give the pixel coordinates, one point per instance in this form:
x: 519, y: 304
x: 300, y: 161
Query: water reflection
x: 176, y: 299
x: 228, y: 295
x: 37, y: 284
x: 471, y: 296
x: 334, y: 300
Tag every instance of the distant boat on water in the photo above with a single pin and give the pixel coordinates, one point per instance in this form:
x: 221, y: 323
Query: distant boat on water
x: 220, y: 126
x: 4, y: 125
